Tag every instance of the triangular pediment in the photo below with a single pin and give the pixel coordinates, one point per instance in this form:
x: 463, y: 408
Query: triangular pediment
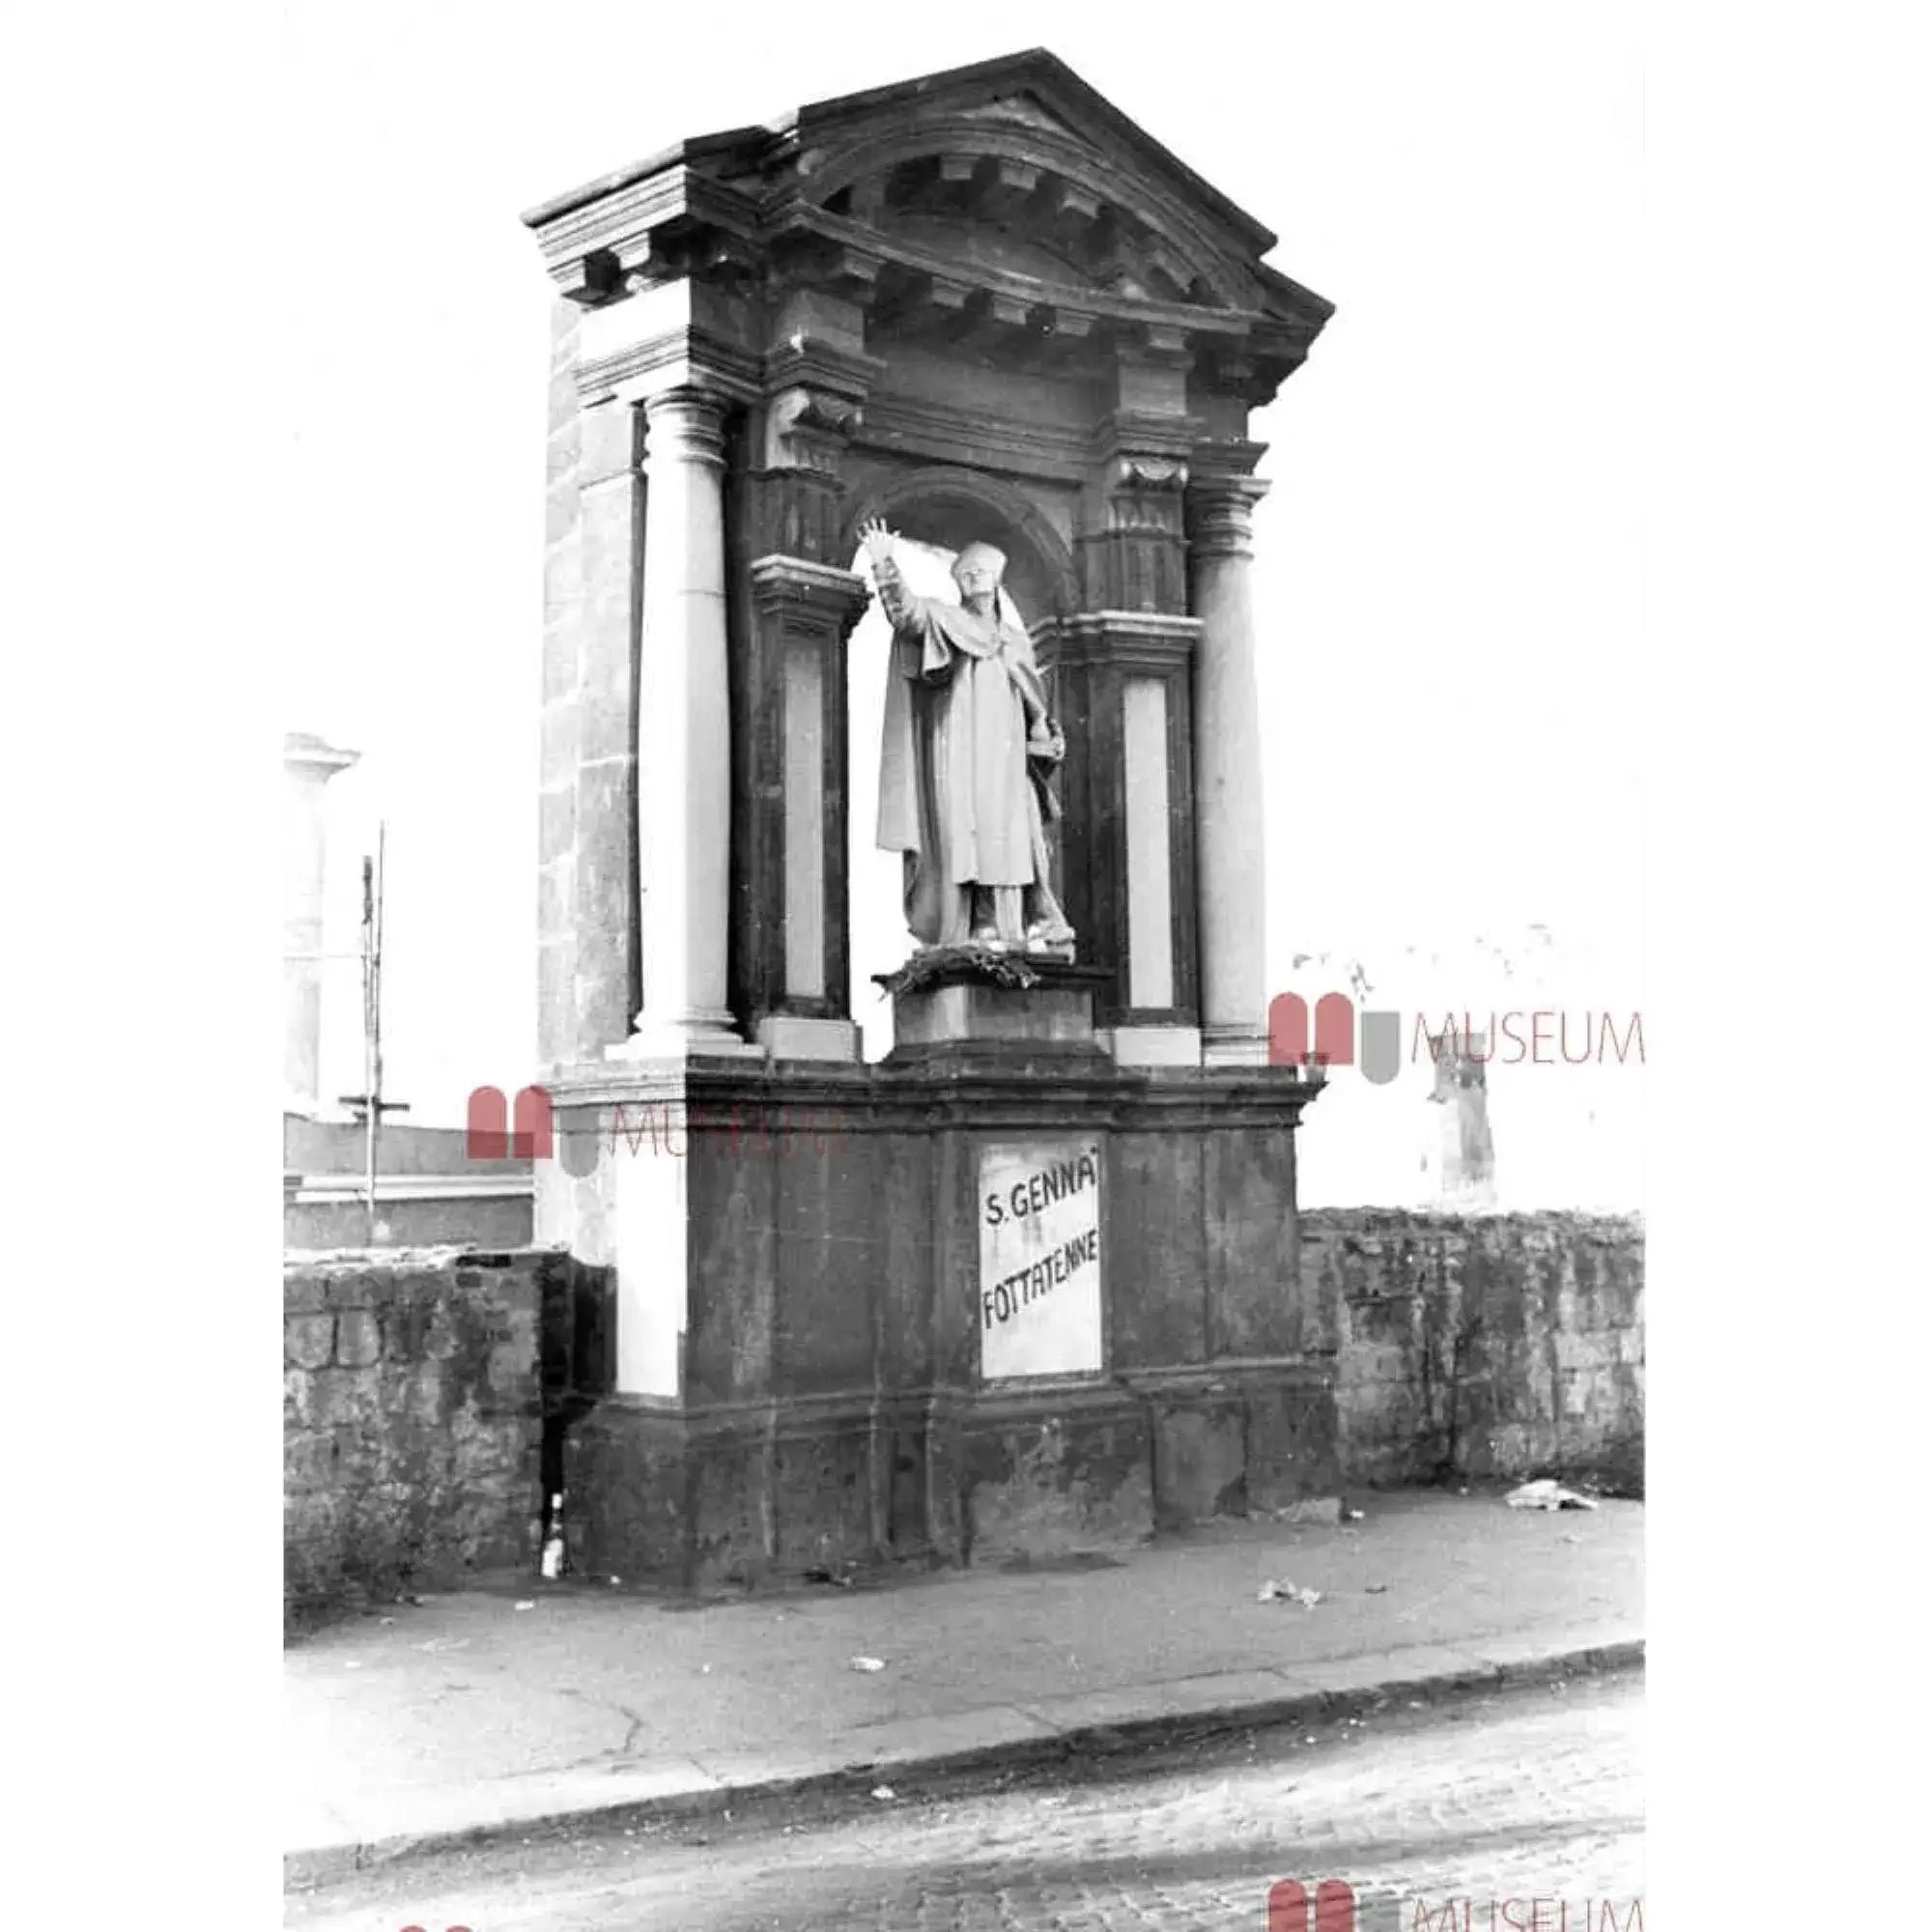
x: 1023, y: 150
x: 1009, y: 195
x: 1020, y: 110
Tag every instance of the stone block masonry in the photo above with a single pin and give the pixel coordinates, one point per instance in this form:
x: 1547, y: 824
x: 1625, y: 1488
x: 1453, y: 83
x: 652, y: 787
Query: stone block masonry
x: 411, y: 1422
x: 1483, y: 1345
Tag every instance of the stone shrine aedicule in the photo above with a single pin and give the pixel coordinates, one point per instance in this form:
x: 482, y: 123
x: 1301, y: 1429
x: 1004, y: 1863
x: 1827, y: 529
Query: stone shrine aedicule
x: 986, y: 313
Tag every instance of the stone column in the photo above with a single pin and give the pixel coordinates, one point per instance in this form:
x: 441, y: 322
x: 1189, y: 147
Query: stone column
x: 309, y: 764
x: 684, y: 734
x: 1228, y: 774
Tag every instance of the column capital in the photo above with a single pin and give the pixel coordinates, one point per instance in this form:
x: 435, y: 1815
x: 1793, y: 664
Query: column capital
x: 686, y: 423
x: 1220, y: 513
x: 808, y: 428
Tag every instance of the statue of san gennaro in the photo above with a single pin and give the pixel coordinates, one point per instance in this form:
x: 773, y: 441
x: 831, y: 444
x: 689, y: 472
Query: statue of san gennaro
x: 970, y: 750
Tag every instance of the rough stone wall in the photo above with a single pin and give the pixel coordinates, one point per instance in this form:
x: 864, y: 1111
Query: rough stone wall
x: 411, y: 1422
x: 1486, y: 1346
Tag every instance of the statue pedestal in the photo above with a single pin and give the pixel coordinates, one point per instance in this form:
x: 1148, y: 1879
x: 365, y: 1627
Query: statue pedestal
x: 1001, y: 1299
x: 970, y: 995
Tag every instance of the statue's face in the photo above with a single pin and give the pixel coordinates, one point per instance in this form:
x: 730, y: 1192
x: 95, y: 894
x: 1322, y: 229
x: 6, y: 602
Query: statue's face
x: 976, y: 574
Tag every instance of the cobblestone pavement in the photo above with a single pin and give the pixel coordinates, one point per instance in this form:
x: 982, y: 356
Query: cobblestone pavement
x: 1514, y: 1795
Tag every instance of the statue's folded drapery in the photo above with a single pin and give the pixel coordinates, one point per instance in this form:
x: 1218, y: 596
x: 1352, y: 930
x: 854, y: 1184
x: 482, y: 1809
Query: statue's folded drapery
x: 963, y: 769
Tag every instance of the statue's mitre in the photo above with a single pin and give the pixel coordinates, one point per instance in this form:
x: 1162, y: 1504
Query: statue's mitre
x: 982, y: 553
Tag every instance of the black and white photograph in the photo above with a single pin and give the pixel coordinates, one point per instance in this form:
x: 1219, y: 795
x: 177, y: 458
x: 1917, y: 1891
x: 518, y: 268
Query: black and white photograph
x: 964, y: 1043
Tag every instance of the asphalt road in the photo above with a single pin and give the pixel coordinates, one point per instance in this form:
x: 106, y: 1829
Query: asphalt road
x: 1455, y: 1817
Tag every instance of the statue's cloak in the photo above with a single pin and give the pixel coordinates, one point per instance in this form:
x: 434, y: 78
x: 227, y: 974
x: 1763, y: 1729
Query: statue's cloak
x: 963, y: 788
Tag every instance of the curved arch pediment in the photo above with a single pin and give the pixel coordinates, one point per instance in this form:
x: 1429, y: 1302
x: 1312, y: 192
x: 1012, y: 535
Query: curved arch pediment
x: 1151, y: 229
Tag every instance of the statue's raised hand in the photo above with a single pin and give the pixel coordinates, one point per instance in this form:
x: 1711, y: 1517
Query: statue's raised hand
x: 877, y: 539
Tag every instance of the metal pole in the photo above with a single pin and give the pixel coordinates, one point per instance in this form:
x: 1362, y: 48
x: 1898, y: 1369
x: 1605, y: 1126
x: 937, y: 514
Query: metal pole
x: 376, y: 1016
x: 369, y: 1110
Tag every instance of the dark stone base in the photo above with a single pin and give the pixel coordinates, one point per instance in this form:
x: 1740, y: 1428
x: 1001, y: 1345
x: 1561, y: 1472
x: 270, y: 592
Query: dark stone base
x: 830, y: 1406
x: 700, y: 1499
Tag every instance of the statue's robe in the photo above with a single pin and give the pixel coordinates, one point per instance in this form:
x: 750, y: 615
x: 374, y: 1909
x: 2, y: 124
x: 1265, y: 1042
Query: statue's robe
x: 963, y: 791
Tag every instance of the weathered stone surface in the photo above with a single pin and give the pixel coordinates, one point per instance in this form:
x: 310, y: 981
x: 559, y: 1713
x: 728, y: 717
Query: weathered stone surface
x: 1038, y: 1488
x: 1199, y: 1462
x: 308, y: 1341
x: 358, y: 1340
x: 1496, y: 1346
x: 415, y: 1464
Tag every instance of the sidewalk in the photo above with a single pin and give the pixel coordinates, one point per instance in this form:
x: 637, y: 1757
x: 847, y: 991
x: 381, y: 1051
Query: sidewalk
x: 466, y: 1715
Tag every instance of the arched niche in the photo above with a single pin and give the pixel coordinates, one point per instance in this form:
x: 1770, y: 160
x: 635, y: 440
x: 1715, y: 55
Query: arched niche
x: 948, y: 507
x: 875, y: 907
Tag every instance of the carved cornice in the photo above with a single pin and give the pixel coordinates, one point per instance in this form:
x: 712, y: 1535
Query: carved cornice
x: 1123, y: 640
x: 1170, y: 323
x: 962, y: 142
x: 795, y: 584
x: 817, y: 365
x: 1131, y: 436
x: 956, y: 433
x: 1227, y: 457
x: 678, y: 355
x: 867, y: 1099
x: 590, y: 249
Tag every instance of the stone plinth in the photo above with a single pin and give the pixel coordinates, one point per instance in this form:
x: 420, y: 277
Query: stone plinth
x: 965, y: 996
x: 803, y: 1304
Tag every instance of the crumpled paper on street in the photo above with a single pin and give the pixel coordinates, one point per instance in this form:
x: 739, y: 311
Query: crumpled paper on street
x: 1545, y: 1494
x: 1279, y: 1589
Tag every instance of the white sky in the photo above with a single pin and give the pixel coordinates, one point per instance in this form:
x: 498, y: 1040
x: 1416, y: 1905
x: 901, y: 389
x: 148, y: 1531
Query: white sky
x: 1447, y: 583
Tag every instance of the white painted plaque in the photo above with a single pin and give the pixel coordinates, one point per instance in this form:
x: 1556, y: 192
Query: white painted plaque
x: 1039, y: 1258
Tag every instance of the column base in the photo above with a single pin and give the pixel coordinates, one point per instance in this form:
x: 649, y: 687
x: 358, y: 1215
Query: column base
x: 1152, y: 1045
x: 692, y: 1035
x: 1224, y: 1046
x: 797, y: 1036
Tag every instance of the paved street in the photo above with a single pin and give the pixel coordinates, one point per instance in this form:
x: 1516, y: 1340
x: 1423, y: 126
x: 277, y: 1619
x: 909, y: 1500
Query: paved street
x: 1521, y: 1793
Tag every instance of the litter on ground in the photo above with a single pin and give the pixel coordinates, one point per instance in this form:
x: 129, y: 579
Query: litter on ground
x: 1547, y: 1493
x: 1278, y: 1590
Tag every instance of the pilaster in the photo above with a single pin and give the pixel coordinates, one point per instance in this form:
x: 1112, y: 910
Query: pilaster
x: 1128, y: 836
x: 602, y: 880
x: 791, y: 962
x: 1133, y: 544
